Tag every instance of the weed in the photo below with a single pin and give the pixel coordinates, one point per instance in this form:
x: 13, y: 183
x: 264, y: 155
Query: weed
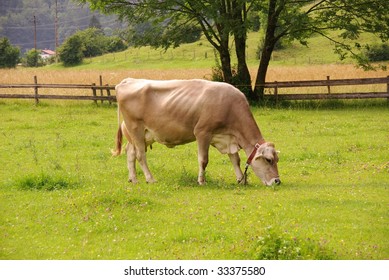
x: 45, y: 182
x: 280, y: 245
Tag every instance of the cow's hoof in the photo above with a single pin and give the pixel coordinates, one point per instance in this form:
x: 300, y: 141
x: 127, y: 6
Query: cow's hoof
x: 134, y: 181
x: 242, y: 181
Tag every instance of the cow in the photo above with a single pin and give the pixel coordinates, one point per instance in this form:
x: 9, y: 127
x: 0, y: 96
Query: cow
x: 176, y: 112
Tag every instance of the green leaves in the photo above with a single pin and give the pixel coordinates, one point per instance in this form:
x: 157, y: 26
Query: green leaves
x: 9, y: 55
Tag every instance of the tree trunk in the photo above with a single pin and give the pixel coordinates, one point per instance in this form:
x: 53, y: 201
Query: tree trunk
x: 259, y: 88
x: 225, y: 61
x: 268, y: 47
x: 224, y: 52
x: 243, y: 75
x: 240, y: 35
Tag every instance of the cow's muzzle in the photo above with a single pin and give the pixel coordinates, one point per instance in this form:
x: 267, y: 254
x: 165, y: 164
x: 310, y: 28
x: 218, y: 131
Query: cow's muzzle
x: 277, y: 181
x: 274, y: 181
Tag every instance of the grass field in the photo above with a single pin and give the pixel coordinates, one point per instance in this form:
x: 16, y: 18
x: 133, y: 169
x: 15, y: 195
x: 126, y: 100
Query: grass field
x: 64, y: 197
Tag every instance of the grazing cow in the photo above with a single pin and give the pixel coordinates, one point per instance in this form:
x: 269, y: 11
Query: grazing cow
x: 177, y: 112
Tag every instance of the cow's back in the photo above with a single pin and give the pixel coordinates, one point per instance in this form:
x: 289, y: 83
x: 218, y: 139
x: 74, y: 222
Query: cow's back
x: 172, y: 109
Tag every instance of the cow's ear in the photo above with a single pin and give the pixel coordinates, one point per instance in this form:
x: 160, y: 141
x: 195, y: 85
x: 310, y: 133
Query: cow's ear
x: 258, y: 155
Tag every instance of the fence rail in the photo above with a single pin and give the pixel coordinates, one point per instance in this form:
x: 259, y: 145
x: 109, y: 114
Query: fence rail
x: 97, y: 91
x: 329, y: 84
x: 36, y: 86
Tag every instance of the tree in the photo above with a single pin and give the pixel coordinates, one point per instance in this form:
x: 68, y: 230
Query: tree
x: 71, y: 51
x: 9, y: 55
x: 168, y: 20
x: 299, y: 20
x: 340, y: 21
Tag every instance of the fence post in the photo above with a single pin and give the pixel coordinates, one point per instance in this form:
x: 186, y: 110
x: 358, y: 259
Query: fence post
x: 276, y: 92
x: 36, y: 90
x: 109, y: 94
x: 328, y: 85
x: 387, y: 87
x: 94, y: 92
x: 101, y: 90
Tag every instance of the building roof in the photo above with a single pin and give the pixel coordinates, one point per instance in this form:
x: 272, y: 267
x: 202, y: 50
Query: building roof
x: 48, y: 52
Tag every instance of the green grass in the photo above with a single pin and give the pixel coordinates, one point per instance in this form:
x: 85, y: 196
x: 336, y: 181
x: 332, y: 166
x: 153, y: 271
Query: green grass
x: 64, y: 197
x: 201, y: 54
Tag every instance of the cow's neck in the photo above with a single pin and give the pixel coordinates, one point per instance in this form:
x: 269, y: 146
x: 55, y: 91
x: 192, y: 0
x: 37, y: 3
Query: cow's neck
x: 250, y: 138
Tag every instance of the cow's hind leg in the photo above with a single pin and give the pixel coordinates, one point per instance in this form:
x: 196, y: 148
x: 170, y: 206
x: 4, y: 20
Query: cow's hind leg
x: 131, y: 157
x: 141, y: 156
x: 138, y: 138
x: 235, y: 160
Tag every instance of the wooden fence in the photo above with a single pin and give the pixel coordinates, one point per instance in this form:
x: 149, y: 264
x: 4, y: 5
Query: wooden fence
x: 329, y: 84
x: 97, y: 91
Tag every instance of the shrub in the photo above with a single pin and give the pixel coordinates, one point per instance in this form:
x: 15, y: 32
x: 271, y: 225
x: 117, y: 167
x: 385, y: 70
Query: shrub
x: 9, y: 55
x: 116, y: 44
x: 94, y: 41
x: 71, y: 51
x: 33, y: 59
x: 282, y: 246
x: 378, y: 52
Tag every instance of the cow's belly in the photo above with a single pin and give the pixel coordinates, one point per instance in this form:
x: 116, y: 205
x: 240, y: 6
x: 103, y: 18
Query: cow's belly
x: 169, y: 136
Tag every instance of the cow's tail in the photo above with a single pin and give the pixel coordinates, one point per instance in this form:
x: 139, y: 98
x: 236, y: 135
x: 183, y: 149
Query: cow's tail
x: 119, y: 138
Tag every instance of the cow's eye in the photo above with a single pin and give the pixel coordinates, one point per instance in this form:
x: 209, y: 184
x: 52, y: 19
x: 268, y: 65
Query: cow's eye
x: 270, y: 161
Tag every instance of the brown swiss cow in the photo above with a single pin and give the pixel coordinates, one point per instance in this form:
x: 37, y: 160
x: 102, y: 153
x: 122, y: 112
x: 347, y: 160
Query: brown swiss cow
x: 177, y: 112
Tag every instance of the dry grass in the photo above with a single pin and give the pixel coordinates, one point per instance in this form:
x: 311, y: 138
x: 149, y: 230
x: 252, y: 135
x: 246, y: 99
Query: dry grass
x: 112, y: 77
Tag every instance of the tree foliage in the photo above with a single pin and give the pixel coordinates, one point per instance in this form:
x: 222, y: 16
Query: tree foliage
x: 9, y: 55
x: 33, y: 58
x: 90, y: 42
x: 300, y: 20
x: 166, y: 22
x: 71, y: 51
x: 340, y: 21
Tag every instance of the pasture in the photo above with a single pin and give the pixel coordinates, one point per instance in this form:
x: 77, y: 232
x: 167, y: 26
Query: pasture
x: 64, y: 197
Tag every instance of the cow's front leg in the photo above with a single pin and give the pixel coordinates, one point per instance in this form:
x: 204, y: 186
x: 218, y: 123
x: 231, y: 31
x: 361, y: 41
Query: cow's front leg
x: 235, y: 160
x: 131, y: 157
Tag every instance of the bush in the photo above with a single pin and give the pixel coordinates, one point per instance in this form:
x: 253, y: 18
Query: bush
x: 71, y: 51
x: 378, y: 52
x: 9, y: 55
x: 281, y: 246
x: 33, y: 59
x: 94, y: 41
x: 116, y: 44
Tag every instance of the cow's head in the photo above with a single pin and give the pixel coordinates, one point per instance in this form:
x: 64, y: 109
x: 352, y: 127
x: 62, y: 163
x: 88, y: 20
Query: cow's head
x: 264, y: 164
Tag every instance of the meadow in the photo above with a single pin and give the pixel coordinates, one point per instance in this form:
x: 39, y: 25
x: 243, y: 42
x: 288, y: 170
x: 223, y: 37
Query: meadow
x: 64, y: 197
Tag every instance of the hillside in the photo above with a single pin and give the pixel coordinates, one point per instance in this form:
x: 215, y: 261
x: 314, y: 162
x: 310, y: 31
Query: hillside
x: 200, y: 55
x: 17, y: 19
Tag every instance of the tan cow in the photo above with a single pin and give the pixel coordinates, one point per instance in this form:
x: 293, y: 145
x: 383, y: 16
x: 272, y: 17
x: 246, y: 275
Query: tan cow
x: 177, y: 112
